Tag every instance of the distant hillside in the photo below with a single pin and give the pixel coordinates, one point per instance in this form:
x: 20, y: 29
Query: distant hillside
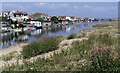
x: 38, y: 15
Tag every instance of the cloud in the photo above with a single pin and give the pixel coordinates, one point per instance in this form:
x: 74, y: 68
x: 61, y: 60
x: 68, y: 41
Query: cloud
x: 51, y: 5
x: 39, y: 4
x: 99, y: 8
x: 42, y: 3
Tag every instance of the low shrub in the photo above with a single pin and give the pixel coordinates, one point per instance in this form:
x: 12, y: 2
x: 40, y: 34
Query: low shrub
x: 101, y: 40
x: 101, y: 25
x: 7, y: 57
x: 71, y: 36
x: 103, y: 59
x: 43, y: 46
x: 82, y: 47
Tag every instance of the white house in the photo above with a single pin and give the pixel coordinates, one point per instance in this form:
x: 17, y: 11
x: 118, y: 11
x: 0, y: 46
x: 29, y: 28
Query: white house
x: 19, y: 16
x: 68, y: 18
x: 15, y: 15
x: 37, y: 24
x: 0, y: 14
x: 4, y: 13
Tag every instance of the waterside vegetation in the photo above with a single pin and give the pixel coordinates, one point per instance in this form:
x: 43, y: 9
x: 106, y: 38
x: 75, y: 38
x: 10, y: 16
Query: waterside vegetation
x: 99, y: 52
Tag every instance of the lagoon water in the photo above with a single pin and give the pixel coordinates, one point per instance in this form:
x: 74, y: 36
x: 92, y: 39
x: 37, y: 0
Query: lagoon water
x: 13, y: 38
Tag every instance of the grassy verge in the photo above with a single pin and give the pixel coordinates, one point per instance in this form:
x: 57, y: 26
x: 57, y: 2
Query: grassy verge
x: 10, y: 56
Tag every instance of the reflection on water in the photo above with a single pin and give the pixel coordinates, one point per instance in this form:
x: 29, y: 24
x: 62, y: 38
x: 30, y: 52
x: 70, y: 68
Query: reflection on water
x: 13, y: 38
x: 36, y: 32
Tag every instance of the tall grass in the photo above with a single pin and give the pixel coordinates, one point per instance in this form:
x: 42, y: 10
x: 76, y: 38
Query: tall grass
x: 43, y: 46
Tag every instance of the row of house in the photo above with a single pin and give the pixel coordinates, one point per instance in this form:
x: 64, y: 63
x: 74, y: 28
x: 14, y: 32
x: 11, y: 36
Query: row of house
x: 20, y: 15
x: 15, y: 15
x: 34, y: 19
x: 71, y: 18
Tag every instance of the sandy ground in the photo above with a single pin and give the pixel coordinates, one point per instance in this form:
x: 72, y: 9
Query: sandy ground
x: 12, y: 49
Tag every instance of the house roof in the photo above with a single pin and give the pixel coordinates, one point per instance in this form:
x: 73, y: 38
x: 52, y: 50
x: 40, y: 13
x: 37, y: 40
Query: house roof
x: 63, y: 17
x: 30, y: 17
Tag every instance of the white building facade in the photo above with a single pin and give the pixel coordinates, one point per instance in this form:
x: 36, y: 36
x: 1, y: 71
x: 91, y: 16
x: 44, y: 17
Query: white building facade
x: 15, y: 15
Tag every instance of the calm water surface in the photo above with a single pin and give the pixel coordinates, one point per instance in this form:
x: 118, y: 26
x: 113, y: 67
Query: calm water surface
x: 13, y: 38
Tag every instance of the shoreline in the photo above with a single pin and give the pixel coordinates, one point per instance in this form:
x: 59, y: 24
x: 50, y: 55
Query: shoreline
x: 13, y: 48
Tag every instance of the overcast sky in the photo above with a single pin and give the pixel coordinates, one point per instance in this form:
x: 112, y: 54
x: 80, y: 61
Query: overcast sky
x: 79, y: 9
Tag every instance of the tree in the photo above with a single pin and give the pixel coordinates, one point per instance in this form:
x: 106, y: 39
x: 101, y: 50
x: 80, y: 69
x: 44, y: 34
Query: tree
x: 40, y: 19
x: 4, y: 19
x: 54, y: 19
